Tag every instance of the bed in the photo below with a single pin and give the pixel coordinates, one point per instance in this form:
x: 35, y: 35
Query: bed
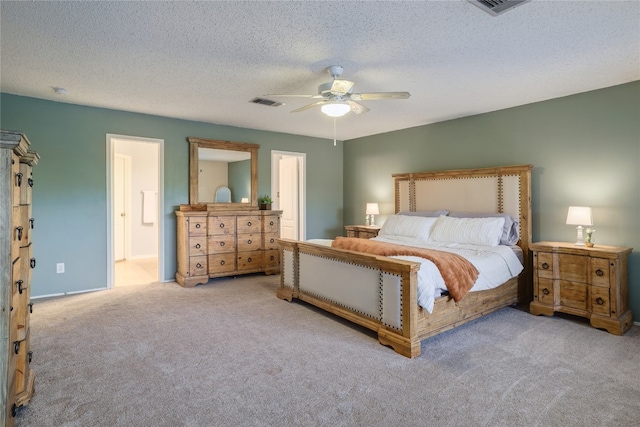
x: 380, y: 292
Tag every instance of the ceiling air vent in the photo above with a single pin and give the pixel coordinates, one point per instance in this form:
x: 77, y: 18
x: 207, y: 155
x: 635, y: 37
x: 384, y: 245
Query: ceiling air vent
x: 267, y: 102
x: 497, y: 7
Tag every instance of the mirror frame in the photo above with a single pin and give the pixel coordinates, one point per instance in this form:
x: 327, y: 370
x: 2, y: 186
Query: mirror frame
x: 196, y: 143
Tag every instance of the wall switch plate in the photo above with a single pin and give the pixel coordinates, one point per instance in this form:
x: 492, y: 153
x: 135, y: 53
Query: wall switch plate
x: 60, y: 267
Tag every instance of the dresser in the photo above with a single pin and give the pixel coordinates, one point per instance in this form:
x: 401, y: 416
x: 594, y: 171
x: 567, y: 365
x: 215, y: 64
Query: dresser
x: 587, y: 282
x: 362, y: 231
x: 219, y: 242
x: 16, y: 263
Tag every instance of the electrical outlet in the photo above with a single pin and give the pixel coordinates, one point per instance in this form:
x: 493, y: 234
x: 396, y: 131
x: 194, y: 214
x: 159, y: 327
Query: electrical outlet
x: 60, y: 267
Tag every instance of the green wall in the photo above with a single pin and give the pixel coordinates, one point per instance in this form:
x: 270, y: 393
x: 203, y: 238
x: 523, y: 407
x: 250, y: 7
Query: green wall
x: 69, y: 196
x: 585, y: 149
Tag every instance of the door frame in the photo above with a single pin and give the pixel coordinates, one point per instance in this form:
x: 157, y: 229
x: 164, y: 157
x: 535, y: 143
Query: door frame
x: 302, y: 187
x: 110, y: 147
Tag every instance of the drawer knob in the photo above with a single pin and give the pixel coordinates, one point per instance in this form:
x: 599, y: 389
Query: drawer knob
x: 31, y: 220
x: 197, y: 225
x: 249, y: 223
x: 545, y: 291
x: 30, y: 307
x: 221, y: 243
x: 16, y: 347
x: 19, y: 179
x: 32, y: 263
x: 272, y: 240
x: 221, y: 262
x: 19, y: 283
x: 271, y: 223
x: 30, y: 181
x: 249, y: 259
x: 19, y: 230
x: 545, y: 265
x: 30, y: 354
x: 221, y: 225
x: 198, y: 265
x: 197, y: 245
x: 249, y: 241
x: 599, y: 301
x: 272, y: 258
x: 599, y: 273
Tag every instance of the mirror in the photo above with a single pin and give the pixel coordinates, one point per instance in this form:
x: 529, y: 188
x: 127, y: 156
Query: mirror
x: 214, y: 164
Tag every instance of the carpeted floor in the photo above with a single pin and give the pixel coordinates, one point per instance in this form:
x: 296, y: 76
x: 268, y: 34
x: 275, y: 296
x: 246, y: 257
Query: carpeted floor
x: 230, y: 353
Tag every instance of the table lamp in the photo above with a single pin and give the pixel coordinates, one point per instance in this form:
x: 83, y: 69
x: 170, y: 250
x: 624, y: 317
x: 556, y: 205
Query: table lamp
x: 579, y: 216
x: 372, y: 209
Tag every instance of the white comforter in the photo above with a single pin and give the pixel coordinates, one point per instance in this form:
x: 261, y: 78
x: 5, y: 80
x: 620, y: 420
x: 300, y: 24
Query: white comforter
x: 496, y: 265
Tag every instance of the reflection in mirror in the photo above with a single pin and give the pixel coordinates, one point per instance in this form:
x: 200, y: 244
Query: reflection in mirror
x: 223, y: 168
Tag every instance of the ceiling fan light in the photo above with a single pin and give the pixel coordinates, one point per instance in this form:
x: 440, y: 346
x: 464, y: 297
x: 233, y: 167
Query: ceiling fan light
x: 335, y: 109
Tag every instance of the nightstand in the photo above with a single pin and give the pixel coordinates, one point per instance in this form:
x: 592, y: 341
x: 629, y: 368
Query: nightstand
x: 586, y: 282
x: 362, y: 231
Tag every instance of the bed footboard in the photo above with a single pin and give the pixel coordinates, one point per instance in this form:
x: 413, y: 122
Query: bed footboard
x: 376, y: 292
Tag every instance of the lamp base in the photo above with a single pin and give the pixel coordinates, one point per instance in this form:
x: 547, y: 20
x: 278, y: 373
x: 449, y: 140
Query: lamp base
x: 580, y: 237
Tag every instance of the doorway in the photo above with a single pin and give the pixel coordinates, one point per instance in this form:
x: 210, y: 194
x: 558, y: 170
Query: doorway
x: 135, y: 190
x: 288, y: 186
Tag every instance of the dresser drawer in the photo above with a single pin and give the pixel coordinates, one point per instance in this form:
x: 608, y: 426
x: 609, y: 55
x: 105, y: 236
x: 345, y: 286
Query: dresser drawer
x: 271, y: 224
x: 222, y: 225
x: 249, y: 224
x: 222, y: 243
x: 271, y: 258
x: 197, y: 226
x: 249, y: 260
x: 600, y: 272
x: 271, y: 241
x: 222, y: 263
x: 545, y: 264
x: 197, y: 245
x: 198, y: 266
x: 249, y: 242
x: 600, y: 303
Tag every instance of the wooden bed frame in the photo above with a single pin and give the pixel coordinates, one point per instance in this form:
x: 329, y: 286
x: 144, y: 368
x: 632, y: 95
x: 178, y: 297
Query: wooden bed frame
x: 357, y: 281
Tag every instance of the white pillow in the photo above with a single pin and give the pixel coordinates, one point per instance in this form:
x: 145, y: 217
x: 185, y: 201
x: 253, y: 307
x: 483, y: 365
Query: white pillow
x: 473, y: 231
x: 418, y: 227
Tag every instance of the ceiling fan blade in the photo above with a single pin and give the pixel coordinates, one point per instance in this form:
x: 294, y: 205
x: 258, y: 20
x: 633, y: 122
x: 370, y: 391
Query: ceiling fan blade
x: 291, y: 95
x: 374, y: 96
x: 314, y: 104
x: 341, y: 87
x: 356, y: 108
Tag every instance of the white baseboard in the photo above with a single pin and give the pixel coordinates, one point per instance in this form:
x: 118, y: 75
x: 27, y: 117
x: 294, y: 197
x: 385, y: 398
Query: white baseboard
x: 69, y: 293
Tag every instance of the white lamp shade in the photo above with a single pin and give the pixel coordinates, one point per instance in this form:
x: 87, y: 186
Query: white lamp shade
x: 335, y: 109
x: 579, y: 215
x: 372, y: 209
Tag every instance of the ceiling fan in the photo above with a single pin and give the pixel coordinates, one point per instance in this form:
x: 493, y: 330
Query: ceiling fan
x: 337, y: 97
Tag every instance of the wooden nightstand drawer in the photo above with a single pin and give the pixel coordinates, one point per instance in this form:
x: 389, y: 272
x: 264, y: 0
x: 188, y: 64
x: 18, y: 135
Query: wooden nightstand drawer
x: 362, y: 231
x: 545, y: 291
x: 600, y: 272
x: 197, y: 245
x: 544, y: 265
x: 198, y: 226
x: 222, y: 225
x: 600, y: 301
x: 573, y: 268
x: 222, y: 243
x: 573, y: 294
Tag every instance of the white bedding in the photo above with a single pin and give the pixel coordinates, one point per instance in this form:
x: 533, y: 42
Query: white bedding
x: 496, y: 265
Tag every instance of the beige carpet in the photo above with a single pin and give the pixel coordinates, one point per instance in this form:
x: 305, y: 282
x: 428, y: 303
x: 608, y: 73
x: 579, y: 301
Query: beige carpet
x: 230, y: 353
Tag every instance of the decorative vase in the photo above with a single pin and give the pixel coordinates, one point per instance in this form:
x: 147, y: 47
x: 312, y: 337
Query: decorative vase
x: 265, y: 206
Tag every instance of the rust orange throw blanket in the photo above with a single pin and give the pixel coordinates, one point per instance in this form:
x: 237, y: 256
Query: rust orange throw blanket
x: 459, y: 274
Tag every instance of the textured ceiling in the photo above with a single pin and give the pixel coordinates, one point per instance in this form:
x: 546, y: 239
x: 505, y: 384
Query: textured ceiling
x: 205, y: 61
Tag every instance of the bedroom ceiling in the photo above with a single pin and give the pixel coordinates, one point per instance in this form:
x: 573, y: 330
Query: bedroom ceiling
x: 205, y: 61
